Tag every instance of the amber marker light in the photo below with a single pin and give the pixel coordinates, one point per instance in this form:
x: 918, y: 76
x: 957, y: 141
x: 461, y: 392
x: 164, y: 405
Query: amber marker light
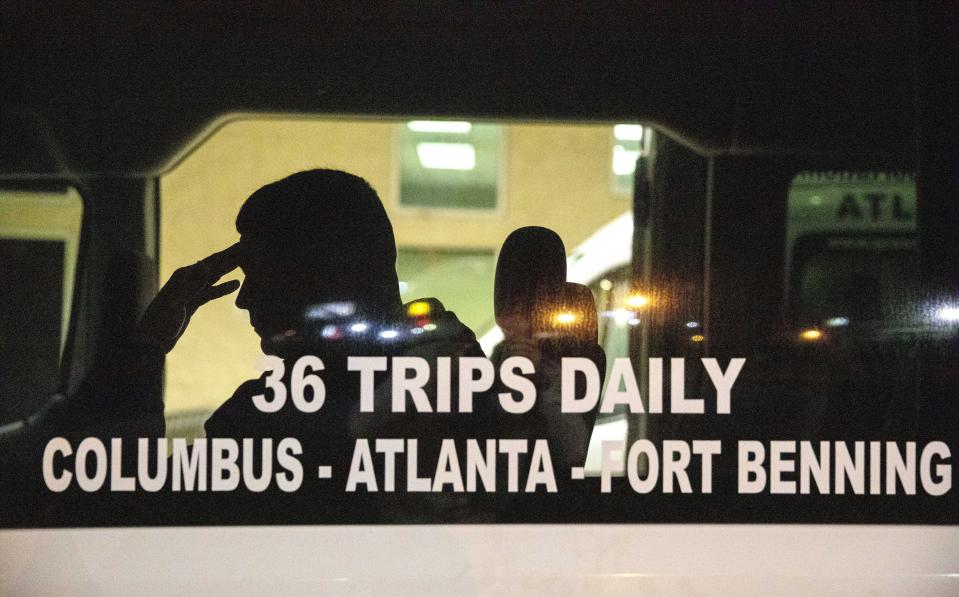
x: 565, y: 317
x: 697, y: 338
x: 418, y: 309
x: 810, y: 335
x: 637, y: 301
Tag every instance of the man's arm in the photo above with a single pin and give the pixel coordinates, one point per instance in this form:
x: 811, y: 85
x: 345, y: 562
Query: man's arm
x: 122, y: 392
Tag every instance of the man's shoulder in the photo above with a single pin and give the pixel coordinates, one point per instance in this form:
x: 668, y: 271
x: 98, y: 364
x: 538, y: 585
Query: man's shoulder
x: 431, y: 331
x: 239, y: 408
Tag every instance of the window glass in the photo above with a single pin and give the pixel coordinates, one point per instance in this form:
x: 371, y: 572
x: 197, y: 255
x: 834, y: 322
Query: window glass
x: 461, y: 279
x: 449, y: 164
x: 628, y: 144
x: 854, y: 323
x: 39, y: 240
x: 553, y: 175
x: 612, y: 292
x: 761, y: 311
x: 852, y: 243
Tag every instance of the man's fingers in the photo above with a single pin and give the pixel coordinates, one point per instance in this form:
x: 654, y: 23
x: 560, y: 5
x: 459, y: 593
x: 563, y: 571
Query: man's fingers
x: 215, y: 292
x: 228, y: 253
x: 222, y: 262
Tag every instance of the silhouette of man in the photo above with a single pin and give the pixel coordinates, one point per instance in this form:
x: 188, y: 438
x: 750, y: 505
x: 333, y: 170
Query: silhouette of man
x: 318, y: 254
x: 319, y: 237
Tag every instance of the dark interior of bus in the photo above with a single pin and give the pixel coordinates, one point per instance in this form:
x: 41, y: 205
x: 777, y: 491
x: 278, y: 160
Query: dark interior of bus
x: 743, y: 98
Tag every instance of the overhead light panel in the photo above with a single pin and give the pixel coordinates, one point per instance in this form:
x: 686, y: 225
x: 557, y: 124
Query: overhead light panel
x: 628, y: 132
x: 439, y: 126
x: 447, y: 156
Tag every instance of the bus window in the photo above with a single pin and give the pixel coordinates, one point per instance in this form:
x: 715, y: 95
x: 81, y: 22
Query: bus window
x: 463, y: 277
x: 39, y: 241
x: 616, y: 317
x: 836, y: 353
x: 852, y: 252
x: 453, y: 190
x: 852, y: 292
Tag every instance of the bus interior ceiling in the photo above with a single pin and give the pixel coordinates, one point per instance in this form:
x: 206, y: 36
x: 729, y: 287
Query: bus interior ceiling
x: 122, y: 90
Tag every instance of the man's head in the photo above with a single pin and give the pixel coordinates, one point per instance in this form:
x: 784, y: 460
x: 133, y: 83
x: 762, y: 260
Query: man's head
x: 314, y: 239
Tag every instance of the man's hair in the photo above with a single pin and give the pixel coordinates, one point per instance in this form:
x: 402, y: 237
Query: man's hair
x: 331, y: 221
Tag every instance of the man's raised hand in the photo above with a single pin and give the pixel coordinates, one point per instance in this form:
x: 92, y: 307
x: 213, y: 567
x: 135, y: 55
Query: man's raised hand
x: 187, y: 290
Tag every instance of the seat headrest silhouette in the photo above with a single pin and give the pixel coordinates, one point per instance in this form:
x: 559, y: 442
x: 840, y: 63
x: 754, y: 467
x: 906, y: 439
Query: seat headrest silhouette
x: 531, y: 268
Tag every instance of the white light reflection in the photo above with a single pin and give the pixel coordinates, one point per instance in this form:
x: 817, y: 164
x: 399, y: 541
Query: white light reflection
x: 948, y: 313
x: 330, y: 310
x: 620, y: 316
x: 389, y: 334
x: 837, y: 322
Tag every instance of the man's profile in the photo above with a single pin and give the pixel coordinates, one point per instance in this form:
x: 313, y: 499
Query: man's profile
x: 315, y: 238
